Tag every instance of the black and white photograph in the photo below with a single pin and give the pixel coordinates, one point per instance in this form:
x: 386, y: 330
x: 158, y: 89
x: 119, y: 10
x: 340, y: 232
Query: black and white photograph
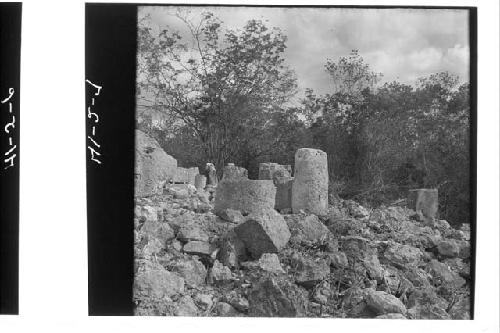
x: 304, y: 162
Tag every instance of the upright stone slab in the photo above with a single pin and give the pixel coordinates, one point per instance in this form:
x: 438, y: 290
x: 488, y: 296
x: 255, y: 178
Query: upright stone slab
x: 247, y: 196
x: 211, y: 174
x: 153, y: 167
x: 283, y: 192
x: 231, y: 172
x: 200, y: 181
x: 424, y: 202
x: 310, y: 184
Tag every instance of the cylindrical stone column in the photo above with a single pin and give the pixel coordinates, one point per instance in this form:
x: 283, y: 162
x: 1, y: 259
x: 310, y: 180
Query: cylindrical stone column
x: 424, y: 202
x: 245, y: 195
x: 310, y: 184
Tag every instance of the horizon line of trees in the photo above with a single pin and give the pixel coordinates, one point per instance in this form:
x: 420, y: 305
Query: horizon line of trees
x: 224, y: 96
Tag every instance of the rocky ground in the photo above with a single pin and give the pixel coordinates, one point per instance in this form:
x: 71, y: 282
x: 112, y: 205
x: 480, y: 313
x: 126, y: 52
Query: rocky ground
x: 353, y: 263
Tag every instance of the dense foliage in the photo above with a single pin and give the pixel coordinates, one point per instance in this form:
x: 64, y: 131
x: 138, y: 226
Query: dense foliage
x: 228, y: 96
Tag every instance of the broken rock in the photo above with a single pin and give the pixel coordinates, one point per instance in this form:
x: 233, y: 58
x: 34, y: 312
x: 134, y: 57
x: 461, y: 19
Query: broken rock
x: 309, y: 272
x: 448, y: 248
x: 266, y: 232
x: 199, y: 248
x: 231, y: 215
x: 220, y: 273
x: 308, y: 229
x: 192, y: 232
x: 277, y: 297
x: 231, y: 250
x: 191, y: 270
x: 270, y: 263
x: 383, y: 303
x: 157, y: 283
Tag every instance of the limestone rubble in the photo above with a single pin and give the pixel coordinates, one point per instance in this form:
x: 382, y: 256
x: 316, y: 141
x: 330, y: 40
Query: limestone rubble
x: 275, y: 247
x: 379, y: 264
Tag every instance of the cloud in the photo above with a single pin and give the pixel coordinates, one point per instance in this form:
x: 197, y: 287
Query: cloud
x: 403, y: 44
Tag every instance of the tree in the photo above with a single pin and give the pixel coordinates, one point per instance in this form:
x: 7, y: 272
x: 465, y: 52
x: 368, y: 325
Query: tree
x: 223, y: 85
x: 351, y: 75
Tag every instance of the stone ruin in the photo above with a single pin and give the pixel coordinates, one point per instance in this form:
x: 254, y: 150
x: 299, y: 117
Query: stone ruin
x: 211, y: 173
x: 424, y: 202
x: 185, y: 175
x: 270, y: 170
x: 310, y: 184
x: 281, y: 176
x: 246, y: 195
x: 234, y: 172
x: 200, y: 182
x: 153, y: 167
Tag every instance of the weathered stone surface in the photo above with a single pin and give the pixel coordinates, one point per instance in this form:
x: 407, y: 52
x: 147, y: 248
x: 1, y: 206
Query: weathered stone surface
x: 310, y: 184
x: 239, y: 303
x: 186, y: 307
x: 310, y: 272
x: 191, y: 270
x: 231, y: 250
x: 158, y: 283
x: 402, y: 255
x: 232, y: 172
x: 153, y: 167
x: 448, y: 248
x: 277, y: 297
x: 231, y: 215
x: 211, y: 174
x: 199, y: 248
x: 461, y: 309
x: 465, y: 249
x: 200, y: 181
x: 185, y: 175
x: 338, y: 259
x: 356, y: 210
x: 284, y: 187
x: 383, y: 303
x: 247, y: 196
x: 270, y: 170
x: 204, y: 301
x: 178, y: 192
x: 308, y: 228
x: 373, y: 267
x: 270, y: 263
x: 391, y: 316
x: 224, y: 309
x: 219, y: 273
x: 146, y: 213
x: 424, y: 202
x: 162, y: 231
x: 192, y: 232
x: 265, y: 232
x: 443, y: 275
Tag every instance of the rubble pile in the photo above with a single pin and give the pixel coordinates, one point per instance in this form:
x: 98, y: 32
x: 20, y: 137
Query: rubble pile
x: 353, y: 263
x: 345, y: 261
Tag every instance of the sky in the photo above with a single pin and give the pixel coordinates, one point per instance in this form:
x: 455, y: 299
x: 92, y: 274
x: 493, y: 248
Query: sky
x: 402, y: 44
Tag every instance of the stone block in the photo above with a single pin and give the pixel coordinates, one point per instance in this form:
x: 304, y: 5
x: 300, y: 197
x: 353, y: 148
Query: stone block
x: 310, y: 184
x: 247, y: 196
